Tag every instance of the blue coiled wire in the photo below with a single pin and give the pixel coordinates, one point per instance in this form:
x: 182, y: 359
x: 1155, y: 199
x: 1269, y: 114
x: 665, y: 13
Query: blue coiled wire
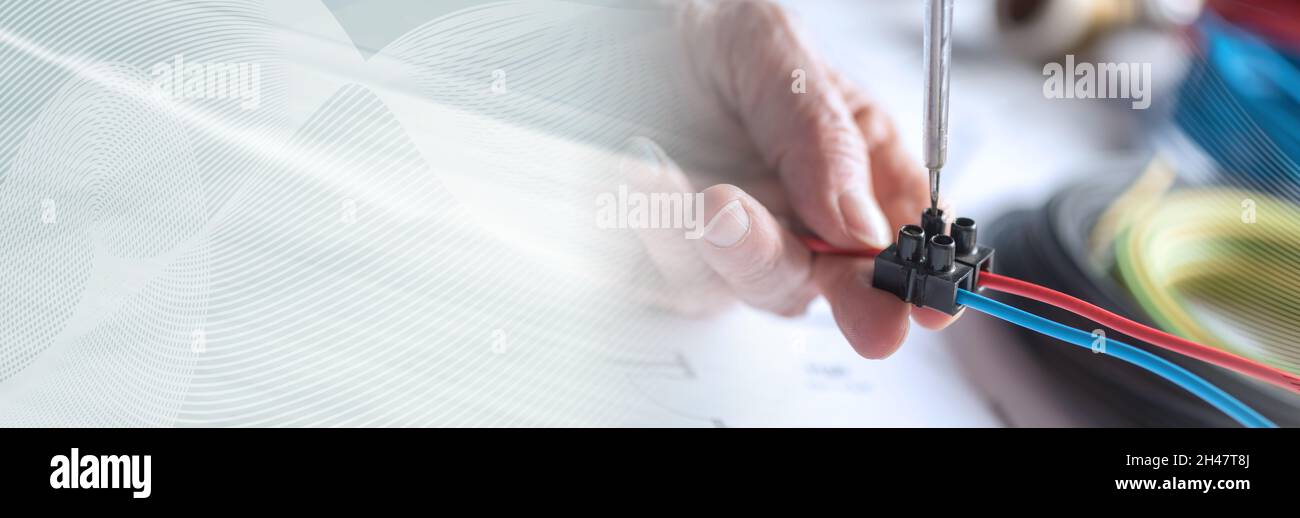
x: 1241, y: 105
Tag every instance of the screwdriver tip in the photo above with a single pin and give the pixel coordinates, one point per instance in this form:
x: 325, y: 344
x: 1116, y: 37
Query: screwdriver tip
x: 934, y: 189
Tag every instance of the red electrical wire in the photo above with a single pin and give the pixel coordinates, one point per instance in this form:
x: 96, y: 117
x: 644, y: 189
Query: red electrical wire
x: 1150, y: 335
x: 1079, y: 307
x: 822, y: 247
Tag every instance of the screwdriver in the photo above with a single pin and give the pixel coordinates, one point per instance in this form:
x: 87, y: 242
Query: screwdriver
x: 938, y: 54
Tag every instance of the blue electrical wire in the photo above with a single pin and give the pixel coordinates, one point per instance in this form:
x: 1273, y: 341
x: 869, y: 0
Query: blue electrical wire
x: 1179, y: 376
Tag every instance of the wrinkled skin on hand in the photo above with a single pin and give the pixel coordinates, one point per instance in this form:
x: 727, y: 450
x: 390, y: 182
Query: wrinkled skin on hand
x: 831, y: 160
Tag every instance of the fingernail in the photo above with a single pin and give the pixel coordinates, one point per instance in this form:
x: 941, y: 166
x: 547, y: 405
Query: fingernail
x: 863, y: 219
x: 728, y: 226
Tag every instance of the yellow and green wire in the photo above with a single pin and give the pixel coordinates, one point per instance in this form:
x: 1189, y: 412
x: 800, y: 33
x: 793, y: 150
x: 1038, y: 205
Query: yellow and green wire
x: 1233, y: 252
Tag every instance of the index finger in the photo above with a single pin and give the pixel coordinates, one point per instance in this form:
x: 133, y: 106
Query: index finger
x: 797, y: 119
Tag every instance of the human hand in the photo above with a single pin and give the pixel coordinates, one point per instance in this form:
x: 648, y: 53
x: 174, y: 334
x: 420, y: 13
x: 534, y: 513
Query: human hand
x: 830, y: 159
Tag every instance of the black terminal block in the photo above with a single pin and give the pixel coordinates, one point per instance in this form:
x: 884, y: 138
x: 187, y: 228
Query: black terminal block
x: 927, y: 266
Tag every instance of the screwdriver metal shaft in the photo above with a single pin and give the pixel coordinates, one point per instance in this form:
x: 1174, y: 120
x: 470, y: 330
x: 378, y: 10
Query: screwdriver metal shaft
x: 938, y: 55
